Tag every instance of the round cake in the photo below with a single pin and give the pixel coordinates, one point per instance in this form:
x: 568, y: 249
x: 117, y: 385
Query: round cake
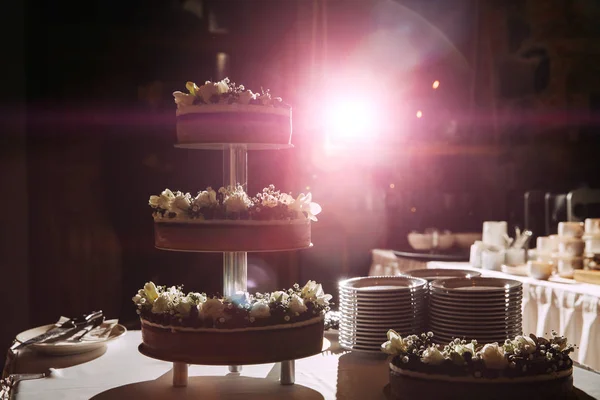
x: 236, y: 330
x: 223, y: 112
x: 526, y: 367
x: 229, y: 220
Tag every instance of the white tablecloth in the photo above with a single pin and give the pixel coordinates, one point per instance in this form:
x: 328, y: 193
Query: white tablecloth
x: 568, y: 307
x: 123, y: 373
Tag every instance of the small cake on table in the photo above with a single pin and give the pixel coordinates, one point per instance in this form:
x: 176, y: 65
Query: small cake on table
x: 223, y: 112
x: 241, y: 329
x: 527, y: 367
x: 230, y: 220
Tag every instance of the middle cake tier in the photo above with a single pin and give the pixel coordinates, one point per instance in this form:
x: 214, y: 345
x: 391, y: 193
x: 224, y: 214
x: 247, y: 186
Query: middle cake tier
x: 229, y: 220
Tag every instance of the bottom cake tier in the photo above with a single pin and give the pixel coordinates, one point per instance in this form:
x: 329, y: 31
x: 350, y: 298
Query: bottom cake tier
x: 243, y: 346
x: 414, y: 385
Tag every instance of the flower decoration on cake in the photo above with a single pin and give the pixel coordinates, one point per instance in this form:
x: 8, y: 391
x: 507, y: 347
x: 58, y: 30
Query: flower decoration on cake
x: 172, y: 307
x: 521, y: 356
x: 224, y: 92
x: 232, y: 203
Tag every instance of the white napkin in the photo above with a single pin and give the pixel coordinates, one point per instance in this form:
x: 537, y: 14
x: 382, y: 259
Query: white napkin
x: 99, y: 333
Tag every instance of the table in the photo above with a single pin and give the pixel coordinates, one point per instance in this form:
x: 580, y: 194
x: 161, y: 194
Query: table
x: 571, y: 308
x: 121, y: 372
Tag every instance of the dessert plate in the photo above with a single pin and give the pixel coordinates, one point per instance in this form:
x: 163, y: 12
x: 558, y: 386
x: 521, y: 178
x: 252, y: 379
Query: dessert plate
x: 501, y: 326
x: 382, y: 284
x: 366, y: 312
x: 431, y: 274
x: 468, y: 308
x: 384, y: 296
x: 474, y: 319
x: 477, y: 285
x: 475, y: 294
x: 89, y: 343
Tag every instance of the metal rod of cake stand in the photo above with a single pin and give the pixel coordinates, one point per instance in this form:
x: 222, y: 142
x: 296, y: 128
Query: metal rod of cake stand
x: 235, y: 264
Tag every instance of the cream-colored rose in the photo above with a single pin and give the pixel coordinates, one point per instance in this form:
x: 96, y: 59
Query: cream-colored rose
x: 312, y: 291
x: 162, y: 304
x: 181, y: 204
x: 260, y: 309
x: 183, y: 99
x: 184, y: 306
x: 279, y: 297
x: 297, y: 305
x: 464, y: 348
x: 525, y: 344
x: 206, y: 198
x: 493, y: 356
x: 153, y: 202
x: 207, y: 91
x: 150, y: 292
x: 246, y: 97
x: 395, y: 344
x: 237, y: 202
x: 166, y: 199
x: 432, y: 356
x: 212, y: 308
x: 223, y: 86
x: 323, y: 300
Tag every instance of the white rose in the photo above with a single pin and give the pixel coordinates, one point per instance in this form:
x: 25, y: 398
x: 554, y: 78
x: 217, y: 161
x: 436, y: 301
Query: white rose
x: 212, y: 308
x: 304, y: 204
x: 183, y: 99
x: 206, y: 198
x: 223, y: 86
x: 246, y: 96
x: 162, y: 304
x: 279, y: 297
x: 153, y: 202
x: 493, y: 356
x: 181, y: 203
x: 207, y: 91
x: 184, y: 306
x: 462, y: 349
x: 297, y: 304
x: 312, y: 291
x: 201, y: 298
x: 239, y: 298
x: 150, y: 292
x: 323, y: 300
x: 395, y: 344
x: 237, y: 202
x: 260, y: 309
x: 166, y: 199
x: 525, y: 344
x: 432, y: 356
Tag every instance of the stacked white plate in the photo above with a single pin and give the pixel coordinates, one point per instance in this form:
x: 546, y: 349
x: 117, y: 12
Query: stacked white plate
x: 370, y: 306
x: 485, y: 309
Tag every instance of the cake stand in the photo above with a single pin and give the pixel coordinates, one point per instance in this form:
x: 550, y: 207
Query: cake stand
x: 235, y: 263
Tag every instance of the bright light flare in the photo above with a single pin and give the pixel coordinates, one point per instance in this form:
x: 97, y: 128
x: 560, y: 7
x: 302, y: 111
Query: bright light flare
x: 419, y: 114
x: 349, y: 119
x: 436, y: 84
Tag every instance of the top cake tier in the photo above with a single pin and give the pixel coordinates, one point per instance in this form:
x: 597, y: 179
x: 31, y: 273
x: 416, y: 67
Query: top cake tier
x: 222, y: 113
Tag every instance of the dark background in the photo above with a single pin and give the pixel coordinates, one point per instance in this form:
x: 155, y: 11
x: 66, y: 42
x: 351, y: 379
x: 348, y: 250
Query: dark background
x: 89, y: 131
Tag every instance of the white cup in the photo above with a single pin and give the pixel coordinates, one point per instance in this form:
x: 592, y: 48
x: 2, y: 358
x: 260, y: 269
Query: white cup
x: 546, y: 244
x: 592, y: 226
x: 475, y: 254
x: 592, y: 244
x: 570, y: 229
x: 514, y: 257
x: 492, y: 260
x: 572, y: 247
x: 540, y: 269
x: 493, y: 233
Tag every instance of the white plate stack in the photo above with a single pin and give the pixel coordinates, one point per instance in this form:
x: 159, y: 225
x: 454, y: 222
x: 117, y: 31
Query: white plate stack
x: 485, y: 309
x: 370, y: 306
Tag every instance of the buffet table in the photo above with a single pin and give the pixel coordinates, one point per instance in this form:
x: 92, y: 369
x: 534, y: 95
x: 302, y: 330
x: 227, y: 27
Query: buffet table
x: 121, y: 372
x: 571, y: 308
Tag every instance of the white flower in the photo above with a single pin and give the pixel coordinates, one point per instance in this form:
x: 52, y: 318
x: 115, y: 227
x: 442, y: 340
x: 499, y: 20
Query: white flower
x: 395, y: 344
x: 260, y: 309
x: 206, y: 198
x: 207, y: 91
x: 181, y: 203
x: 246, y: 96
x: 237, y: 201
x: 239, y: 298
x: 153, y: 202
x: 296, y: 304
x: 493, y: 356
x: 197, y: 298
x: 433, y: 356
x: 464, y: 348
x: 150, y: 292
x: 183, y: 99
x: 313, y: 291
x: 165, y: 199
x: 279, y: 297
x: 525, y: 344
x: 212, y: 308
x: 184, y: 306
x: 304, y: 204
x: 223, y: 86
x: 269, y: 201
x: 286, y: 199
x: 162, y: 304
